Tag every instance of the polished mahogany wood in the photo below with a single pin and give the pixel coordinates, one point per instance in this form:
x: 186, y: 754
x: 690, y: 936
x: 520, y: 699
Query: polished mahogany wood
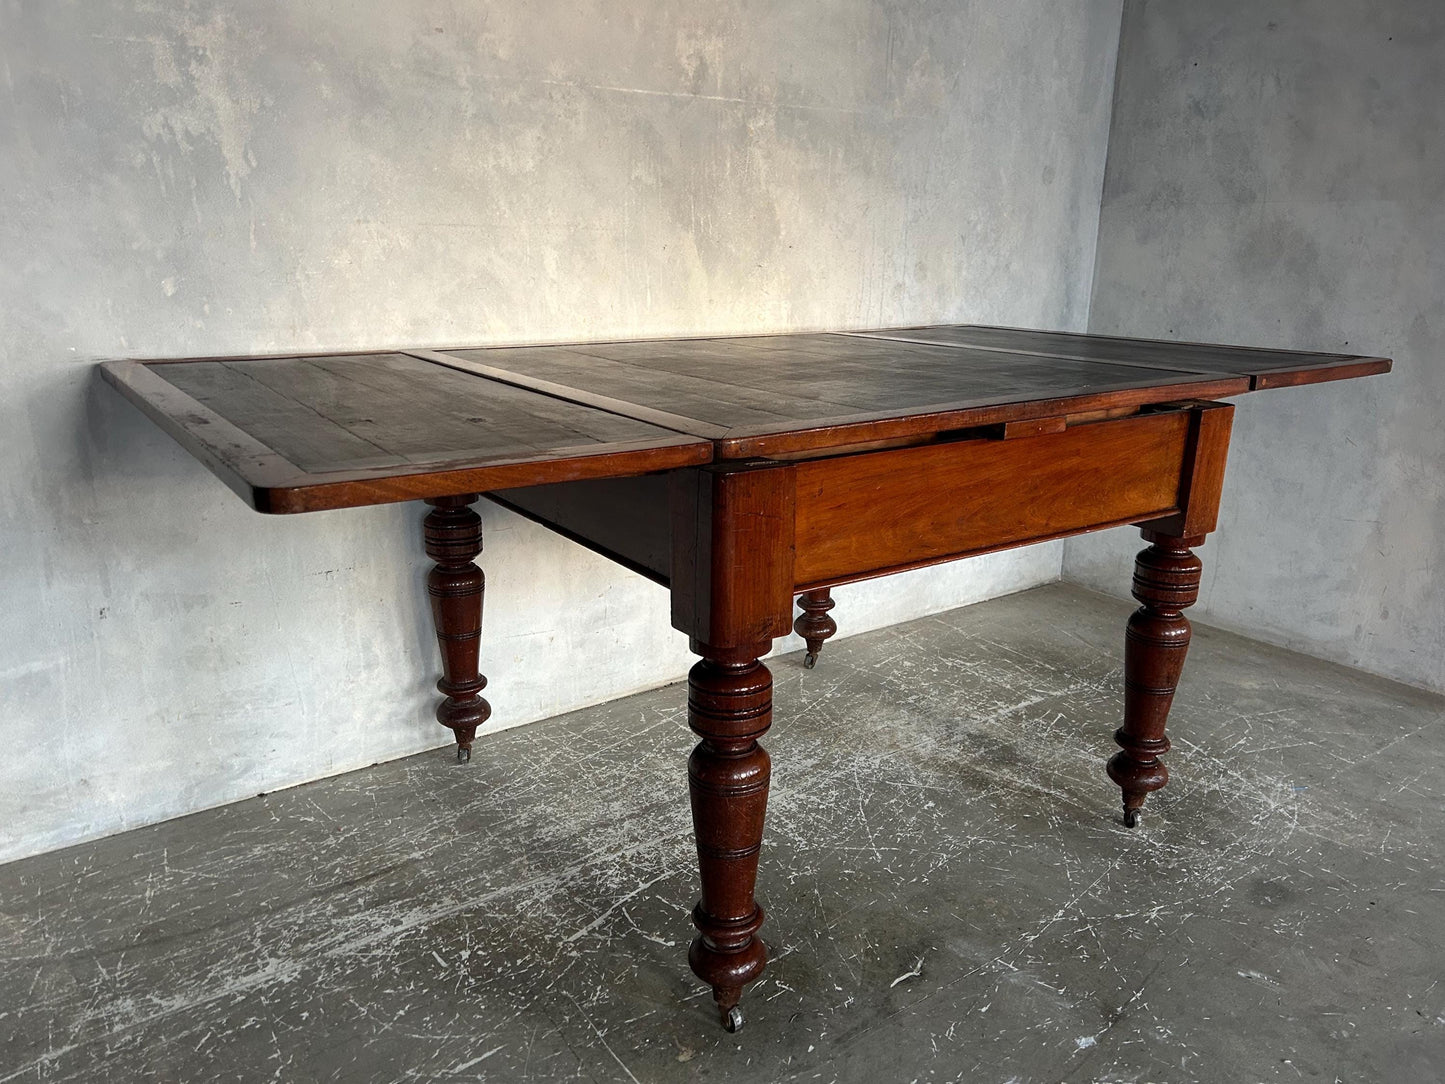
x: 740, y: 473
x: 871, y: 514
x: 729, y: 707
x: 1166, y: 582
x: 732, y: 554
x: 1201, y: 479
x: 732, y: 593
x: 453, y: 534
x: 813, y: 624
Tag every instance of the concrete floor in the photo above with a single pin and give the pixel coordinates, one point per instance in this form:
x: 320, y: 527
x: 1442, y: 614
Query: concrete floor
x: 951, y: 894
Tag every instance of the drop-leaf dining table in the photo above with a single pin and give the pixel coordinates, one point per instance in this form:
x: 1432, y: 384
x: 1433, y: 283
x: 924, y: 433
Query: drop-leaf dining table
x: 742, y: 472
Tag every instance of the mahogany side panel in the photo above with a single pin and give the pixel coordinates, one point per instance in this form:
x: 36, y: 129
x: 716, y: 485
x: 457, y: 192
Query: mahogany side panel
x: 1166, y: 582
x: 1202, y: 482
x: 453, y: 534
x: 860, y: 514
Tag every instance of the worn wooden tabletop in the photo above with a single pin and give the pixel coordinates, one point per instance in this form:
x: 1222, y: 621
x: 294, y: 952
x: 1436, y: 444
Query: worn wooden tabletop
x: 301, y: 433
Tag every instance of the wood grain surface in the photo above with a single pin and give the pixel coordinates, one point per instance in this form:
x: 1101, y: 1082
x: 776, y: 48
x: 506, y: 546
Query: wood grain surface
x: 777, y: 394
x: 293, y: 434
x: 862, y: 515
x: 307, y: 433
x: 1266, y: 368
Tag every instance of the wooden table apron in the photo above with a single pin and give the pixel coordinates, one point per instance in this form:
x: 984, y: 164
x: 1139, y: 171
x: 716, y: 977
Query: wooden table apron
x: 738, y: 517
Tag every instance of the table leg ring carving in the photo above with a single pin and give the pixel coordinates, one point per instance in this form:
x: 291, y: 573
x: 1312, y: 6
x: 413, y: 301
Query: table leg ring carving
x: 1166, y: 581
x: 729, y: 707
x: 453, y: 533
x: 813, y: 624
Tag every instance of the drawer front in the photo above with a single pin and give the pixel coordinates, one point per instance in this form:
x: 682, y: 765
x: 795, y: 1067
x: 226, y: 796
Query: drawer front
x: 874, y: 512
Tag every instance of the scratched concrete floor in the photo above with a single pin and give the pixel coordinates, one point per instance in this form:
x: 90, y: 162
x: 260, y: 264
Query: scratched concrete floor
x: 951, y: 895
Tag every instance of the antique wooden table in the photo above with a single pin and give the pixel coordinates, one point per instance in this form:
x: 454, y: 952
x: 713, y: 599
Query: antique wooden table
x: 741, y: 472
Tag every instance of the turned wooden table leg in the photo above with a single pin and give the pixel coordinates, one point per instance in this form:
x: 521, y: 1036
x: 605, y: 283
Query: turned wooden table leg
x: 453, y: 534
x: 813, y: 624
x: 729, y: 706
x: 732, y: 593
x: 1166, y: 581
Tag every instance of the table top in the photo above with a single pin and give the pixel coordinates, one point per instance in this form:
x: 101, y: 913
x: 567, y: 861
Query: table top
x: 298, y: 433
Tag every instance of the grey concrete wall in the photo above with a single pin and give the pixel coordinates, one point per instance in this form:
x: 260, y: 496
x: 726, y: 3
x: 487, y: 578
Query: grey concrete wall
x: 204, y: 178
x: 1277, y: 176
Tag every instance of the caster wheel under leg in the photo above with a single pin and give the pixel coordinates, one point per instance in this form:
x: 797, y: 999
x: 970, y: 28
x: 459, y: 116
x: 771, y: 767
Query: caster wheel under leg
x: 464, y: 754
x: 733, y: 1020
x: 810, y: 660
x: 1131, y: 818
